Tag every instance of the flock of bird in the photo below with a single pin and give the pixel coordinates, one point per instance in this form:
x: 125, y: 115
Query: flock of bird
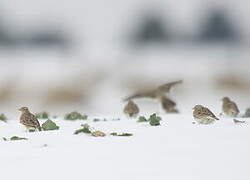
x: 201, y: 114
x: 159, y: 93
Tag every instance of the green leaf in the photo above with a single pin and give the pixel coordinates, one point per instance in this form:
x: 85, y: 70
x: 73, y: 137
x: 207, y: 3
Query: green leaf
x: 123, y: 134
x: 113, y: 134
x: 32, y: 130
x: 238, y: 121
x: 42, y: 115
x: 85, y: 129
x: 116, y: 119
x: 142, y: 119
x: 247, y: 113
x: 75, y: 116
x: 14, y: 138
x: 154, y: 120
x: 3, y: 117
x: 96, y: 120
x: 49, y: 125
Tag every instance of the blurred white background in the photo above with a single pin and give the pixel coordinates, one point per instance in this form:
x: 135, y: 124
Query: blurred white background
x: 87, y: 55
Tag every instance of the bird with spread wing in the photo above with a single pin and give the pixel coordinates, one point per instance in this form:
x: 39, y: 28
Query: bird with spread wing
x: 154, y: 93
x: 158, y: 93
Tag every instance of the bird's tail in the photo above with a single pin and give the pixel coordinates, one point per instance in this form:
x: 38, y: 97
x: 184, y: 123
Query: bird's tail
x: 39, y: 128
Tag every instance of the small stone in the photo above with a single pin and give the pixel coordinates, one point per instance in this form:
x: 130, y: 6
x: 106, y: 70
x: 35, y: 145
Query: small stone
x: 98, y: 134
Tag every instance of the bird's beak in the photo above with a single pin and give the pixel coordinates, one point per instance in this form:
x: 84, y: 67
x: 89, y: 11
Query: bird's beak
x: 19, y: 109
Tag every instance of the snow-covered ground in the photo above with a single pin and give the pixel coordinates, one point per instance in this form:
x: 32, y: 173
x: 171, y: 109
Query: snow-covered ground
x: 175, y: 150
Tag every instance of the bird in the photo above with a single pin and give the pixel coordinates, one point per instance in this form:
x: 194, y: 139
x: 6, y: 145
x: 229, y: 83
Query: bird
x: 155, y: 93
x: 203, y: 115
x: 168, y: 105
x: 229, y: 107
x: 28, y: 119
x: 131, y: 109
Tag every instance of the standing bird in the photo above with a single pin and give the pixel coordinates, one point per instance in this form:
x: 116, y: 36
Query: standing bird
x: 131, y: 109
x: 29, y: 120
x: 156, y: 93
x: 203, y: 115
x: 168, y: 105
x: 229, y: 107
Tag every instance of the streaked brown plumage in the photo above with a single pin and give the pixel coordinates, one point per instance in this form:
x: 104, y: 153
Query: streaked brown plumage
x: 203, y: 115
x: 29, y: 120
x: 229, y: 107
x: 131, y: 109
x: 154, y: 93
x: 168, y: 105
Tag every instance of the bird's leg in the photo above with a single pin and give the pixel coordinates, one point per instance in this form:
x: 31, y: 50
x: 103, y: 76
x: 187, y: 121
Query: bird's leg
x: 160, y: 108
x: 30, y: 129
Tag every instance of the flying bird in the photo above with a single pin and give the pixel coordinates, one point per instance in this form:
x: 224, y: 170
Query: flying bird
x: 156, y: 93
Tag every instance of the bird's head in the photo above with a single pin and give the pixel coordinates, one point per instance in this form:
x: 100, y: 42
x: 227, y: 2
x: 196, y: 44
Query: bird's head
x: 225, y: 99
x: 197, y: 107
x: 24, y: 109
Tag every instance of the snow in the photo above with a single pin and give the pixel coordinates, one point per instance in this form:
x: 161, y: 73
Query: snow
x: 175, y: 150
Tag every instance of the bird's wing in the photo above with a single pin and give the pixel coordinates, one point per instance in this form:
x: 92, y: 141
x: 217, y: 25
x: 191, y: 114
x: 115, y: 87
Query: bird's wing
x: 166, y: 102
x: 34, y: 121
x: 166, y: 87
x: 234, y: 106
x: 147, y: 94
x: 34, y: 118
x: 209, y: 113
x: 28, y: 120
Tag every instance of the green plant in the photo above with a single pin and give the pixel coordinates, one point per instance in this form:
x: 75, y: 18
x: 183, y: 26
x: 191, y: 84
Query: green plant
x: 14, y: 138
x: 142, y: 119
x: 96, y: 120
x: 49, y: 125
x: 116, y: 119
x: 75, y: 116
x: 3, y: 117
x: 42, y: 115
x: 154, y: 120
x: 85, y: 129
x: 238, y: 121
x: 247, y: 113
x: 123, y: 134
